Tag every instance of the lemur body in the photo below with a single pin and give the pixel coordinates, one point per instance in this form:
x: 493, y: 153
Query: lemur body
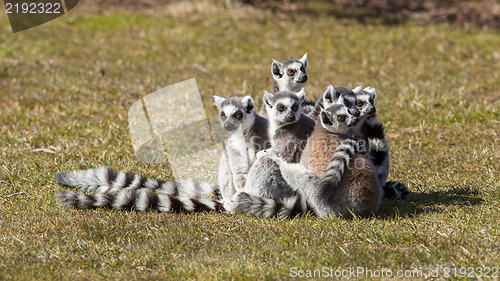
x: 289, y: 129
x: 332, y: 189
x: 371, y: 131
x: 288, y: 132
x: 248, y: 135
x: 289, y: 76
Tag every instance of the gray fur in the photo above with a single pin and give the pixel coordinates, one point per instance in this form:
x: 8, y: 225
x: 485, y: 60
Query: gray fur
x: 370, y: 130
x: 247, y: 135
x: 106, y: 180
x: 284, y: 189
x: 335, y: 95
x: 142, y: 199
x: 288, y: 127
x: 283, y: 81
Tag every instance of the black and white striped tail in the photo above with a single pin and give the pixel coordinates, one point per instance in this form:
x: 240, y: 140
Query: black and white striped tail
x: 266, y: 207
x: 106, y: 180
x: 337, y: 166
x: 395, y: 190
x: 308, y: 107
x: 142, y: 199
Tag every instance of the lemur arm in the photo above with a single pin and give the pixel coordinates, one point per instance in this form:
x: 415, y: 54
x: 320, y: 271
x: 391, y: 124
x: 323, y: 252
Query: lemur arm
x: 238, y: 165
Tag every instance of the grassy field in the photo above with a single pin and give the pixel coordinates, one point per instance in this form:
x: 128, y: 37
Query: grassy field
x: 66, y: 87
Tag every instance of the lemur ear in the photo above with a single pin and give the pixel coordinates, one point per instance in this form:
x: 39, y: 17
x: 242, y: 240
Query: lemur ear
x: 301, y: 95
x: 357, y: 89
x: 371, y: 91
x: 218, y: 101
x: 268, y: 99
x: 331, y: 94
x: 326, y: 118
x: 303, y: 60
x: 248, y: 104
x: 277, y: 69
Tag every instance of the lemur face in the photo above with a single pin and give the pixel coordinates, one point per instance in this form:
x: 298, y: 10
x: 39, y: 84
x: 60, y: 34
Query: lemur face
x: 284, y: 107
x: 340, y: 95
x: 235, y: 112
x: 365, y: 101
x: 337, y: 119
x: 290, y: 74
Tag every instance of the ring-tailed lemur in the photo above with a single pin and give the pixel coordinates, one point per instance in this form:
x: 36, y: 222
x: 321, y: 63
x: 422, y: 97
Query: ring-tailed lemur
x: 288, y: 133
x: 335, y: 95
x: 371, y: 131
x: 248, y: 135
x: 127, y: 190
x: 289, y: 128
x: 346, y: 185
x: 290, y: 76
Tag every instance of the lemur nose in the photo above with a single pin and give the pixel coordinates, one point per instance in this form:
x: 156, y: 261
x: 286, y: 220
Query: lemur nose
x: 354, y: 111
x: 290, y: 117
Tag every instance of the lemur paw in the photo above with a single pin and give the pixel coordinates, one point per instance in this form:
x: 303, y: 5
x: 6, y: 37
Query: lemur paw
x: 269, y: 153
x: 354, y: 144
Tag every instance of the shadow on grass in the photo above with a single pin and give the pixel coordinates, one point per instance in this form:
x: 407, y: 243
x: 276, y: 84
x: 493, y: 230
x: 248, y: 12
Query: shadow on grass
x: 422, y: 203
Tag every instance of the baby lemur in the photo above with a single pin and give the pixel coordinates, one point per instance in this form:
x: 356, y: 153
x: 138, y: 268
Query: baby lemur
x: 333, y: 179
x: 248, y: 135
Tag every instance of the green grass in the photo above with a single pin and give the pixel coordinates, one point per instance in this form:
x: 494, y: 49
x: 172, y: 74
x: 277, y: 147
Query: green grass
x: 438, y: 96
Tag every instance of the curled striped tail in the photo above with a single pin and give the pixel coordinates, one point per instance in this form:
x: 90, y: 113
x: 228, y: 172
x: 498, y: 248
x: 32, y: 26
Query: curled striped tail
x: 337, y: 166
x: 106, y: 180
x: 267, y: 207
x: 142, y: 199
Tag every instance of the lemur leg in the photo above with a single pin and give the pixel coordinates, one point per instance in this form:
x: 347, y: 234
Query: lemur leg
x: 265, y: 179
x: 225, y: 178
x: 238, y: 165
x: 298, y: 178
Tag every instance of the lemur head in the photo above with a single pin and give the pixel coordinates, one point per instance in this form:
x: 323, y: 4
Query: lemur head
x: 283, y: 108
x: 291, y: 74
x: 340, y: 95
x: 337, y: 119
x: 365, y: 101
x: 235, y: 111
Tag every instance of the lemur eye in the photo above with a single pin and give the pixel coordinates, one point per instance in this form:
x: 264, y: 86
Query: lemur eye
x: 341, y: 118
x: 237, y: 116
x: 291, y: 72
x: 371, y: 101
x: 347, y: 103
x: 280, y: 108
x: 222, y: 115
x: 302, y: 69
x: 295, y: 107
x: 359, y: 103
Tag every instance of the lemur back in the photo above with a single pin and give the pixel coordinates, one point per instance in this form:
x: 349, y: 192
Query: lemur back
x: 358, y: 191
x: 289, y: 76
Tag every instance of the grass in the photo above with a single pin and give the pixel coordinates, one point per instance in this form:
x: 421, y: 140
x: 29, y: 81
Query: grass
x: 66, y: 88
